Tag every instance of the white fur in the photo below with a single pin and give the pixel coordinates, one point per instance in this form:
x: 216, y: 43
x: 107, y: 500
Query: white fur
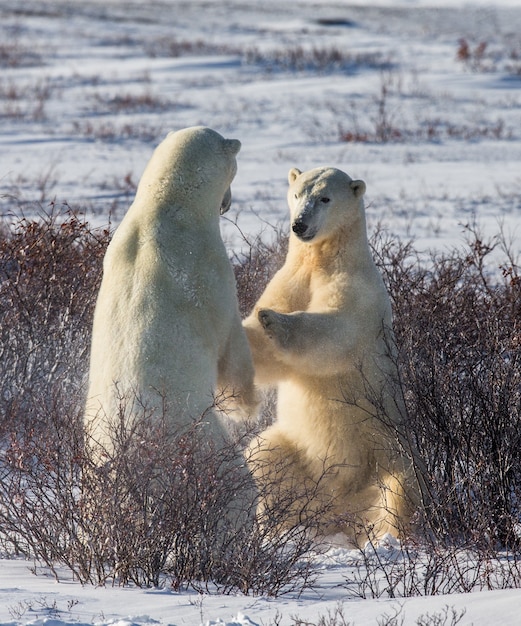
x: 321, y: 333
x: 167, y: 326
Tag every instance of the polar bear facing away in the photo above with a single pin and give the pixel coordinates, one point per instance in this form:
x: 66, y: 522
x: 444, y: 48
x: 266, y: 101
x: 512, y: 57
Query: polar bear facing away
x: 321, y: 333
x: 167, y: 330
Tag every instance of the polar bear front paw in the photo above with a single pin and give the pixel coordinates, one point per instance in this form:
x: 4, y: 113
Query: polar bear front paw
x: 267, y: 319
x: 275, y: 325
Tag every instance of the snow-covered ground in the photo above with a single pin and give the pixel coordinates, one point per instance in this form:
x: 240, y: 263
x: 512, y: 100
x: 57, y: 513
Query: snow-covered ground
x: 377, y: 88
x: 39, y: 601
x: 88, y: 88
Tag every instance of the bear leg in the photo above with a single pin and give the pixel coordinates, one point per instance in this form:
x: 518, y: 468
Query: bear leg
x: 290, y: 490
x: 240, y: 399
x: 380, y: 508
x: 295, y: 491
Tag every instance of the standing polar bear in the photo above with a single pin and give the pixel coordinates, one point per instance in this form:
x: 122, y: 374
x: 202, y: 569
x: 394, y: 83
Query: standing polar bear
x: 321, y: 332
x: 167, y: 330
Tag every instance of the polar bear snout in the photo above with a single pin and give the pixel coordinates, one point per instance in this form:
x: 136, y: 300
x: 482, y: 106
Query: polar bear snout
x: 308, y: 217
x: 299, y: 227
x: 226, y: 202
x: 305, y: 227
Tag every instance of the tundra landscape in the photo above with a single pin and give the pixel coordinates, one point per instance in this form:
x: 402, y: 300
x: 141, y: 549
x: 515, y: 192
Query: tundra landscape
x: 420, y: 99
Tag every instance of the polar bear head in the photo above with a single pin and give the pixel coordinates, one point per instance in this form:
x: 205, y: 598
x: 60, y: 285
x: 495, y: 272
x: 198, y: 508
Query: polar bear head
x: 322, y: 201
x: 195, y: 164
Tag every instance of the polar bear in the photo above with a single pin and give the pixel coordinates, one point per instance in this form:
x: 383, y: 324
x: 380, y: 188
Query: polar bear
x: 167, y: 330
x: 321, y: 332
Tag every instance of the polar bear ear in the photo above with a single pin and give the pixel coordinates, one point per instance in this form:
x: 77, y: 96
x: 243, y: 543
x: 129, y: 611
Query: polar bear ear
x: 232, y: 146
x: 358, y: 187
x: 293, y: 174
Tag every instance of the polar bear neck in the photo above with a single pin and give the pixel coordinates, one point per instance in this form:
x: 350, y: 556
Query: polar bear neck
x: 348, y: 248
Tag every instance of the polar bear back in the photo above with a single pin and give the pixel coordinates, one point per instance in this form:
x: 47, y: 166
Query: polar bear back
x: 167, y: 308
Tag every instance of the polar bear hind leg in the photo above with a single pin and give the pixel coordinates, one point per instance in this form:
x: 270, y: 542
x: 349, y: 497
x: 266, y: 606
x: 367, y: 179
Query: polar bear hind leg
x: 297, y: 491
x: 292, y: 490
x: 373, y: 512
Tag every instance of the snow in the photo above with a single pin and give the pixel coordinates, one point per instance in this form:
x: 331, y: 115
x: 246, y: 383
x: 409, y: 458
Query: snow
x: 40, y: 601
x: 80, y: 124
x: 85, y: 144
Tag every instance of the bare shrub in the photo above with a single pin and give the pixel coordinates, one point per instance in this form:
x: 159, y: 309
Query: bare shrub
x: 484, y: 56
x: 50, y: 268
x: 180, y: 511
x: 457, y: 326
x: 25, y: 102
x: 14, y: 53
x: 384, y: 123
x: 384, y: 128
x: 333, y: 617
x: 314, y: 59
x: 423, y: 566
x: 458, y: 352
x: 448, y: 616
x: 296, y: 58
x: 254, y: 266
x: 40, y: 481
x: 459, y: 356
x: 473, y: 57
x: 159, y: 511
x: 383, y: 116
x: 109, y: 131
x: 133, y: 103
x: 170, y: 47
x: 459, y: 359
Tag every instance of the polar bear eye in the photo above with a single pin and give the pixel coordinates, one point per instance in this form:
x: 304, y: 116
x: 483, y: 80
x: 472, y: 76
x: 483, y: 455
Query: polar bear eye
x: 324, y: 200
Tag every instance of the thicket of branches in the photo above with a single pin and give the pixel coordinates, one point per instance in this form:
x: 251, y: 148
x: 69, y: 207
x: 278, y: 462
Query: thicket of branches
x: 458, y: 332
x: 457, y: 318
x: 50, y: 270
